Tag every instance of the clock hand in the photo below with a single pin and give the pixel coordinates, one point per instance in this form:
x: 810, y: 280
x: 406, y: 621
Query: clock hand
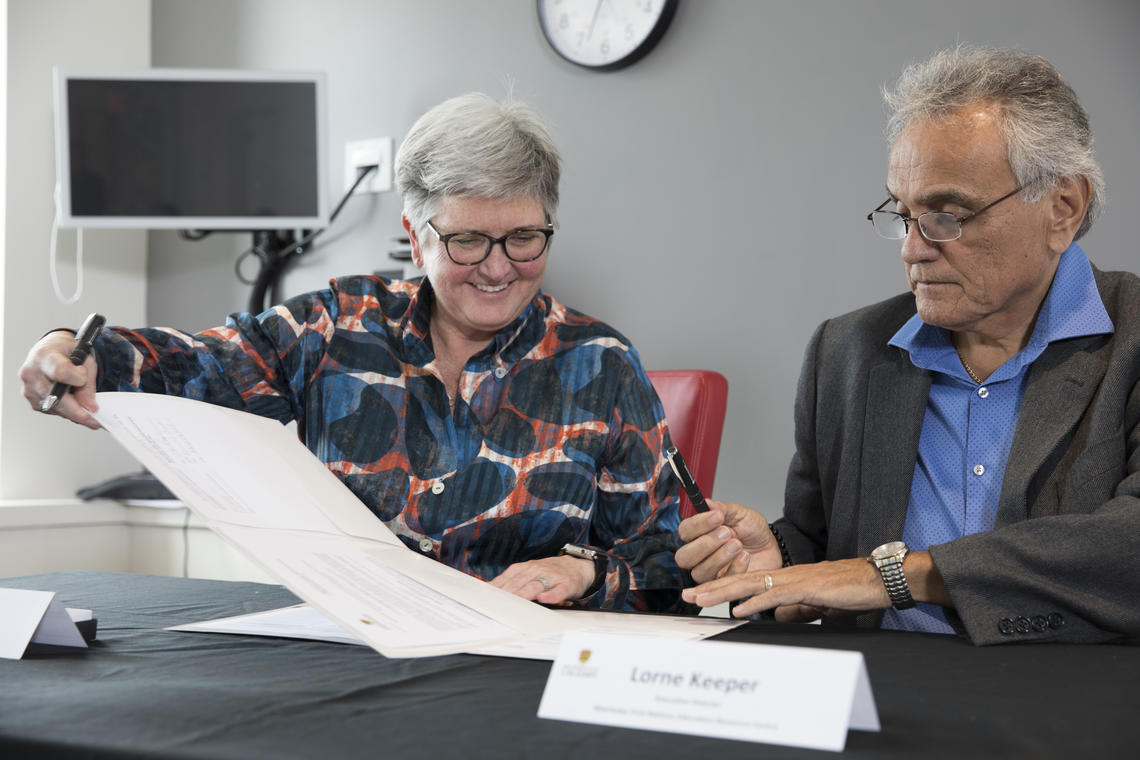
x: 594, y: 20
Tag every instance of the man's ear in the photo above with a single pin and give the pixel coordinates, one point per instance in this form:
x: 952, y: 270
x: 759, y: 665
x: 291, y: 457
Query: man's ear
x: 1068, y: 204
x: 417, y: 253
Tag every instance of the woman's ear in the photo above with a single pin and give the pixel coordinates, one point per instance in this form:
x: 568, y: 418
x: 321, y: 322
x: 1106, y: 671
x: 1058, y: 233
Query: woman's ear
x: 417, y: 252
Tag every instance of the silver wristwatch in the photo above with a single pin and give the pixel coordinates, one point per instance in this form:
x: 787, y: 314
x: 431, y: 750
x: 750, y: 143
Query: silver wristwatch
x: 889, y: 559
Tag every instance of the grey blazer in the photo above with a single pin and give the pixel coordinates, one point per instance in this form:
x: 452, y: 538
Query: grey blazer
x: 1063, y: 560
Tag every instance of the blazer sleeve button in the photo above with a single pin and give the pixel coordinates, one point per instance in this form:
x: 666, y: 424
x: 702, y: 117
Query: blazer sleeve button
x: 1022, y: 625
x: 1056, y: 620
x: 1040, y: 623
x: 1005, y: 627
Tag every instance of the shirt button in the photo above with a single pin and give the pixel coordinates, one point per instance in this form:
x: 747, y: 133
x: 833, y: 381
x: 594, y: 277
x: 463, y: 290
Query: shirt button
x: 437, y: 487
x: 425, y: 545
x: 979, y: 469
x: 500, y: 372
x: 983, y: 392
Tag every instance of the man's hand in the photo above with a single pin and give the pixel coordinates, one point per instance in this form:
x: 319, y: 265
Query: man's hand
x: 552, y: 580
x: 727, y: 538
x: 800, y: 592
x: 805, y: 592
x: 49, y: 362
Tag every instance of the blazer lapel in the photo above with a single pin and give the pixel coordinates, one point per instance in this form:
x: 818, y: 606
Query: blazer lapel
x: 896, y: 406
x: 1061, y: 384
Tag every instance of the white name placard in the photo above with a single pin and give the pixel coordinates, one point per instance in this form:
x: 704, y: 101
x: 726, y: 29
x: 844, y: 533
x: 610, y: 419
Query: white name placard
x: 34, y: 616
x: 795, y: 696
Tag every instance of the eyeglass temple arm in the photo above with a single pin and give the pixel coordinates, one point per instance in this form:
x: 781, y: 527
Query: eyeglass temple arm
x: 878, y: 208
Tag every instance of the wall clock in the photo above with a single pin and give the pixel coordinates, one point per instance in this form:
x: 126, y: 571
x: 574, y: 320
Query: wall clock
x: 604, y: 35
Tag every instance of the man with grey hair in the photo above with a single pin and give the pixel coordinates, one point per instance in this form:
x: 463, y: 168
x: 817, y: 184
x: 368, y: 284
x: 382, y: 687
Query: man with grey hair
x: 967, y: 454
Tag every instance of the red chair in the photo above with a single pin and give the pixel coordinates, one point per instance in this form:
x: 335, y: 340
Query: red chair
x: 694, y: 401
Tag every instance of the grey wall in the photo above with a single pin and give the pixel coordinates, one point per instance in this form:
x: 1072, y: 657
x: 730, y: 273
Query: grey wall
x: 714, y: 193
x: 43, y: 459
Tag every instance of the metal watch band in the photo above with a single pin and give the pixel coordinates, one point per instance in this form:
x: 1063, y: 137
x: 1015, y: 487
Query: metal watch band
x: 895, y: 580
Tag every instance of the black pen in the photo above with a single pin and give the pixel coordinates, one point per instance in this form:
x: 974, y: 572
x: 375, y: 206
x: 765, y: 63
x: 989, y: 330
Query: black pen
x: 83, y: 341
x: 692, y: 490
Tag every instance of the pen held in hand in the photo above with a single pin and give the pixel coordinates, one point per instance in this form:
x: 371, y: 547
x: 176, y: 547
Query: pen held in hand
x: 83, y: 340
x: 688, y: 483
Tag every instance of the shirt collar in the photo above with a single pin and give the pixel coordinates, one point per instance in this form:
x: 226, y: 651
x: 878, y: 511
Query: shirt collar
x: 1072, y: 309
x: 414, y: 325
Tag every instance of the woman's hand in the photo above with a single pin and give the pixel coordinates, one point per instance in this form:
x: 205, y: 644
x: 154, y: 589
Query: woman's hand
x: 47, y: 363
x: 552, y: 580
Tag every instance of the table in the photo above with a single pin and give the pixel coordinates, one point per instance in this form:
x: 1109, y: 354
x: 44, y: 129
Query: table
x: 141, y: 691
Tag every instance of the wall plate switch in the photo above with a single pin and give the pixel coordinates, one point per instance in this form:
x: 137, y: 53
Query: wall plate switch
x: 358, y: 153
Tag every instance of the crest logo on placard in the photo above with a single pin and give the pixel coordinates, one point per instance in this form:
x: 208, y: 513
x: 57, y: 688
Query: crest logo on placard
x: 580, y: 669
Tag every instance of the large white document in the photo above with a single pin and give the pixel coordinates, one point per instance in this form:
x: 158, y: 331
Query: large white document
x: 303, y: 622
x: 250, y: 480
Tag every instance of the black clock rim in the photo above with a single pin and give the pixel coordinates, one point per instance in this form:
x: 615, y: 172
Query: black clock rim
x: 668, y: 10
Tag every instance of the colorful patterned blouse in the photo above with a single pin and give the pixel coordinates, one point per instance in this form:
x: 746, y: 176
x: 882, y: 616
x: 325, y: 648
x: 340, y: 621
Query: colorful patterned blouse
x: 556, y: 435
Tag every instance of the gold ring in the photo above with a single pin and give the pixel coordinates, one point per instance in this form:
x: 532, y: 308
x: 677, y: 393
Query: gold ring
x: 767, y: 581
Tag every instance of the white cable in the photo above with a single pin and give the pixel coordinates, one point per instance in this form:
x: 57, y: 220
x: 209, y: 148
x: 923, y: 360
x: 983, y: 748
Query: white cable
x: 78, y: 258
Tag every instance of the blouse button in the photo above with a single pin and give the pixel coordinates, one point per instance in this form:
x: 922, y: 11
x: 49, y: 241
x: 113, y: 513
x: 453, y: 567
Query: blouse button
x: 437, y: 487
x: 425, y: 545
x: 983, y: 392
x: 979, y: 469
x: 500, y: 372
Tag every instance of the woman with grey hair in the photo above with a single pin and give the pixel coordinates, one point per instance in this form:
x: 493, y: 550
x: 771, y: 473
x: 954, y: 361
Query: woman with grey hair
x: 487, y: 425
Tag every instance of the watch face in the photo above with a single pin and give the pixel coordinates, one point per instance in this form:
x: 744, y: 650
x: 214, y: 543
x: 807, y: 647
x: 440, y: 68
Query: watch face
x: 888, y: 550
x: 604, y: 34
x: 582, y: 552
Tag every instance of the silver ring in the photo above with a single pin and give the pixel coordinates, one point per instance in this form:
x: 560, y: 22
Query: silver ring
x: 545, y: 583
x: 767, y: 581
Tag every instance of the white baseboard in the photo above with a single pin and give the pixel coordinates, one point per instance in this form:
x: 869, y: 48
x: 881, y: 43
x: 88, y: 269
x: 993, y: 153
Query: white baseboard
x: 46, y: 535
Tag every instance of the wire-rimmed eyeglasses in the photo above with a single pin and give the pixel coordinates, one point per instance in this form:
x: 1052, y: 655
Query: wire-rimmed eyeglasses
x: 471, y: 248
x: 935, y: 226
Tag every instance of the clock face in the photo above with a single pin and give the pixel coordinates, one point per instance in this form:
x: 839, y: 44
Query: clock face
x: 604, y: 34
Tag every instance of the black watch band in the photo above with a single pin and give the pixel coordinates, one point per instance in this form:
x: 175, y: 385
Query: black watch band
x: 601, y: 562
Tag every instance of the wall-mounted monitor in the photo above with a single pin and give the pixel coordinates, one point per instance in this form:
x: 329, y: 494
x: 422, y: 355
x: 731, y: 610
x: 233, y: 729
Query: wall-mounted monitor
x: 196, y: 149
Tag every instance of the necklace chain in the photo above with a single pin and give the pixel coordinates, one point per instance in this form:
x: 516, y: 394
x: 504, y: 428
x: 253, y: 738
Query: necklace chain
x: 969, y: 369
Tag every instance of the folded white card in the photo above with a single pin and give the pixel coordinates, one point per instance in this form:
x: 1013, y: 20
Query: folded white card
x: 34, y: 617
x: 794, y: 696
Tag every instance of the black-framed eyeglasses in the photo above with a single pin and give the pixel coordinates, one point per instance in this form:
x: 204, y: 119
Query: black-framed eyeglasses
x: 935, y: 226
x: 471, y: 248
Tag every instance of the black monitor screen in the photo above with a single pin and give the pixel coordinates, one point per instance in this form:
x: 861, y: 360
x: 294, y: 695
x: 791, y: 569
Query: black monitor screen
x: 196, y: 153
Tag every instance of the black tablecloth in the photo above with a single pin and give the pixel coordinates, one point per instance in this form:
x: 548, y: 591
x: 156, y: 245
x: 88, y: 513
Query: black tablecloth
x: 141, y: 691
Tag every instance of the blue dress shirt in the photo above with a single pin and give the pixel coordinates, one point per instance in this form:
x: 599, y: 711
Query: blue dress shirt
x: 968, y: 427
